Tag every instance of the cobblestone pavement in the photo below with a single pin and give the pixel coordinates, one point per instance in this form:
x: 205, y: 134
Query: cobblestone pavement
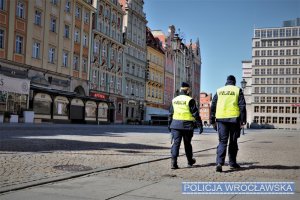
x: 33, y: 154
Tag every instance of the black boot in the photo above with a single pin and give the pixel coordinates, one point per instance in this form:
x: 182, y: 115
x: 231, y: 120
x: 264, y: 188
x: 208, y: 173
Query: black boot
x: 174, y: 163
x: 191, y: 162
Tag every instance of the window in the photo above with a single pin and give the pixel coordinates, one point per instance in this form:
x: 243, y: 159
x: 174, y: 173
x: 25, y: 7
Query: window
x: 84, y: 65
x: 85, y: 40
x: 275, y: 71
x: 68, y: 6
x: 19, y: 44
x: 269, y: 109
x: 54, y: 2
x: 287, y: 99
x: 77, y: 12
x: 67, y: 31
x: 262, y: 120
x: 281, y: 71
x: 281, y: 43
x: 288, y: 52
x: 294, y: 120
x: 51, y: 55
x: 275, y: 99
x: 280, y: 120
x: 263, y: 62
x: 295, y: 52
x: 76, y: 62
x: 2, y: 5
x: 295, y: 42
x: 287, y: 109
x: 275, y: 109
x: 294, y: 99
x: 282, y: 52
x: 288, y: 70
x: 269, y: 52
x: 86, y: 17
x: 256, y: 119
x: 275, y: 120
x: 295, y: 61
x: 2, y: 39
x: 275, y: 80
x: 275, y: 52
x: 268, y: 120
x: 269, y: 100
x: 256, y: 109
x: 276, y: 43
x: 281, y: 109
x: 127, y: 111
x: 294, y: 109
x: 20, y: 9
x: 38, y: 18
x: 256, y: 53
x: 256, y: 99
x: 77, y: 36
x: 65, y: 59
x: 262, y: 99
x: 53, y: 24
x: 36, y: 50
x: 281, y: 99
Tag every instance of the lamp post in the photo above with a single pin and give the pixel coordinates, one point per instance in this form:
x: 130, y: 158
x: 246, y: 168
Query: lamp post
x: 243, y: 85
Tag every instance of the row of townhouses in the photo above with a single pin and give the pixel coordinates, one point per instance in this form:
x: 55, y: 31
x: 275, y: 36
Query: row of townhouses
x: 90, y: 61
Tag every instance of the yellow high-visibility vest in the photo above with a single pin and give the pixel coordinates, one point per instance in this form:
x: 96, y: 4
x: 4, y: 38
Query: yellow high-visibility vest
x: 181, y: 108
x: 227, y: 105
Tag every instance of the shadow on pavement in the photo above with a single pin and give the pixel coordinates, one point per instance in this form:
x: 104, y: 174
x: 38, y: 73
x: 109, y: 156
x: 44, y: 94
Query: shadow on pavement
x: 272, y: 167
x: 42, y: 145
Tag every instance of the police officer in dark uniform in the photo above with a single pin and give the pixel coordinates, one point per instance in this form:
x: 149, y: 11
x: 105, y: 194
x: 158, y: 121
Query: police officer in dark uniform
x: 228, y: 109
x: 183, y: 118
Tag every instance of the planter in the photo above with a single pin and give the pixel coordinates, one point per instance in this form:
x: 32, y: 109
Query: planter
x: 14, y: 119
x: 28, y: 116
x: 1, y: 118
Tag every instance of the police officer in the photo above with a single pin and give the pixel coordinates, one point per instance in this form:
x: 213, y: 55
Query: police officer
x: 228, y: 109
x: 184, y: 116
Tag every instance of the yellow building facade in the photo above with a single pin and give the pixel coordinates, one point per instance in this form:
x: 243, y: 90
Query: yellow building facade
x: 154, y: 78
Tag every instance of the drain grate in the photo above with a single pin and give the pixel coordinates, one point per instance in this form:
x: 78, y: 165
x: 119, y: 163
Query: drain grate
x: 72, y: 168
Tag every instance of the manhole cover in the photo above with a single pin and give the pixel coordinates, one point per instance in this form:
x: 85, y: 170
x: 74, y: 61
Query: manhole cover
x: 73, y: 168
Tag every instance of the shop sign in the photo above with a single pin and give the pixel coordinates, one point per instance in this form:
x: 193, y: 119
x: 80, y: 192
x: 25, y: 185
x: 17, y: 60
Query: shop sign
x: 98, y: 95
x: 15, y: 85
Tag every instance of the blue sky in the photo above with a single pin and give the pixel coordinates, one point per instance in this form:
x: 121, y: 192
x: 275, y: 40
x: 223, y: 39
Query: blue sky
x: 224, y: 28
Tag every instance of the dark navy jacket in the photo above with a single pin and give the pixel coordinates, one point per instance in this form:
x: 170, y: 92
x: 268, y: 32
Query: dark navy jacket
x: 241, y: 103
x: 182, y: 124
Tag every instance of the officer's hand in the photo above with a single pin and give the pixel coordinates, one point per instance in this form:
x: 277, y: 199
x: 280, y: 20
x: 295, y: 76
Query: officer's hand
x: 200, y: 129
x: 215, y: 126
x: 169, y: 128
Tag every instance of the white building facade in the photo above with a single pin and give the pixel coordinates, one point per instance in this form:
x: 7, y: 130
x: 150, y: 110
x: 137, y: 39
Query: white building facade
x: 275, y: 93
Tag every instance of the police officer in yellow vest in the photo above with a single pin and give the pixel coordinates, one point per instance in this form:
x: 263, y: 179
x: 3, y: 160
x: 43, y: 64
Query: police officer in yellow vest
x: 228, y: 109
x: 183, y: 118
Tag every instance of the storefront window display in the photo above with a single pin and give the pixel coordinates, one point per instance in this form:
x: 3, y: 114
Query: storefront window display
x: 90, y: 110
x: 102, y: 112
x: 42, y: 106
x: 60, y: 108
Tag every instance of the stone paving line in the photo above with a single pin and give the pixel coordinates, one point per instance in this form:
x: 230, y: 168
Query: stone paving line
x: 257, y: 156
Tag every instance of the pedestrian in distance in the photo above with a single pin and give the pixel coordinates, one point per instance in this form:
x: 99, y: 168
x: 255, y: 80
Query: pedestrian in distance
x: 183, y: 118
x: 228, y: 116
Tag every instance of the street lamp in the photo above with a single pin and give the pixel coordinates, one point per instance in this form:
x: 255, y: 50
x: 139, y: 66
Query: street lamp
x: 243, y: 85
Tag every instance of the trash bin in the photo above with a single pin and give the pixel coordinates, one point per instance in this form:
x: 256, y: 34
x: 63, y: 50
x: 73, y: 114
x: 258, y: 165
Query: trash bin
x: 28, y: 116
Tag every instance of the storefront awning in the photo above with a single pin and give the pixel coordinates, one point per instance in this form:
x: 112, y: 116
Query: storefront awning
x: 15, y: 85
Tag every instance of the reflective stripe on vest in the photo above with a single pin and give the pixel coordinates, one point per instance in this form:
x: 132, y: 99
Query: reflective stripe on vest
x: 227, y: 105
x: 181, y: 108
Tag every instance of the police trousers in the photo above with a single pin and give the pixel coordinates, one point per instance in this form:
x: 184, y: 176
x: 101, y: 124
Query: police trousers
x: 231, y: 131
x: 187, y: 138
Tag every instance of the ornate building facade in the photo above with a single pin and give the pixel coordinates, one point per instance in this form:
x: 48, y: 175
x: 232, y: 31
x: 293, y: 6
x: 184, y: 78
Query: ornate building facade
x: 135, y: 60
x: 47, y: 44
x: 107, y: 57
